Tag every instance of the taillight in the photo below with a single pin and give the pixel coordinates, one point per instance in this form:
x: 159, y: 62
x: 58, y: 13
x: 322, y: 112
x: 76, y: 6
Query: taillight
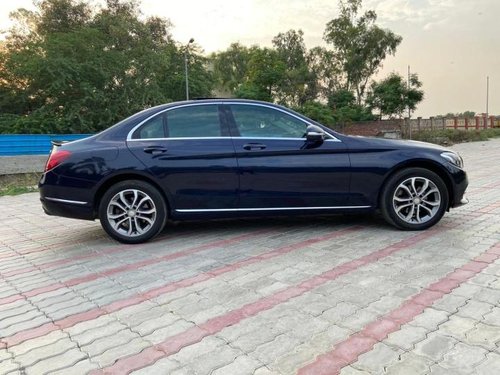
x: 56, y: 157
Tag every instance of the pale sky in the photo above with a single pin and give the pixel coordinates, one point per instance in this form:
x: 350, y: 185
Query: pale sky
x: 452, y: 44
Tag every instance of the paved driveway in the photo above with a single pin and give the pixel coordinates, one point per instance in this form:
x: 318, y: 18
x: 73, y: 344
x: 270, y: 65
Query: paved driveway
x: 313, y: 296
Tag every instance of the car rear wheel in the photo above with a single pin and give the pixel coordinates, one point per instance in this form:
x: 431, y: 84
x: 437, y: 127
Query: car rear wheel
x: 132, y: 212
x: 414, y: 199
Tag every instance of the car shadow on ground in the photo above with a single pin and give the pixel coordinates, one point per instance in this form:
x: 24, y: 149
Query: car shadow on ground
x: 372, y: 220
x: 95, y: 236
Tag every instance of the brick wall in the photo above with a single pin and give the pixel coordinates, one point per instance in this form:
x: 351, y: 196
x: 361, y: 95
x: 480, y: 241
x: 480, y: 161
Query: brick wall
x: 381, y: 127
x: 371, y: 128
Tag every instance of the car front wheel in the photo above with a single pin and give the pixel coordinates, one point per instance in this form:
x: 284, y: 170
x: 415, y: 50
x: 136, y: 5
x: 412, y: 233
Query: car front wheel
x: 132, y: 212
x: 414, y: 199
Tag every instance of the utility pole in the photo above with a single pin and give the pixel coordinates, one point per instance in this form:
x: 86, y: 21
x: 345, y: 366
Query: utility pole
x: 487, y: 95
x: 409, y: 86
x: 186, y: 66
x: 409, y: 110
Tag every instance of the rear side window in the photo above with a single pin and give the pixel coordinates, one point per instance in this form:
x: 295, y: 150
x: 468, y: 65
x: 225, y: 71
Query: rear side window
x: 185, y: 122
x: 193, y: 121
x: 153, y: 128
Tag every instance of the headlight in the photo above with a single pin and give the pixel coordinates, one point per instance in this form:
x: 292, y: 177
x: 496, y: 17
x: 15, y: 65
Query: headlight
x: 453, y: 158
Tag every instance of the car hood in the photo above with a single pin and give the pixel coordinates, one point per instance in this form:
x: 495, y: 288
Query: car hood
x: 371, y: 142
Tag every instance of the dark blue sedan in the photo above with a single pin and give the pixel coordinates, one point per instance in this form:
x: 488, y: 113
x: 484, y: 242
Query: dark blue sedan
x: 233, y: 158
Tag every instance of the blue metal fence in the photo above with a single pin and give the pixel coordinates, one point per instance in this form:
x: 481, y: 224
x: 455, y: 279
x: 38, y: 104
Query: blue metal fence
x: 32, y: 144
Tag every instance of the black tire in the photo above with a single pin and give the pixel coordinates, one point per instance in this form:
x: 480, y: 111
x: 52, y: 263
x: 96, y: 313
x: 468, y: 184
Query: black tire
x: 141, y: 212
x: 398, y: 198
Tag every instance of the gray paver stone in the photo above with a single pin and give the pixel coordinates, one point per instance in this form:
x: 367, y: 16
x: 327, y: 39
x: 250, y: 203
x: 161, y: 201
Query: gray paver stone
x: 410, y: 364
x: 435, y: 346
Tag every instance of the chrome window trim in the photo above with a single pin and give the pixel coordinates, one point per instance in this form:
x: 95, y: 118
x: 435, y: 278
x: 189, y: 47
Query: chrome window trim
x: 198, y: 138
x: 173, y: 139
x: 129, y: 135
x: 65, y: 201
x: 284, y: 139
x: 270, y: 209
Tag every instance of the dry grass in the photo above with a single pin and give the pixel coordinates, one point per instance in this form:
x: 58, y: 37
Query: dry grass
x: 14, y: 184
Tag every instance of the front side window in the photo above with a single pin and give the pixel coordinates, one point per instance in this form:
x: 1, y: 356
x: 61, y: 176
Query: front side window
x: 193, y: 121
x: 264, y: 122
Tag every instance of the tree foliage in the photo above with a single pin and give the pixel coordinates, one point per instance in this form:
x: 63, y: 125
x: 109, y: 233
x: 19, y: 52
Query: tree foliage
x: 359, y: 45
x: 297, y: 81
x: 70, y: 68
x: 292, y: 75
x: 465, y: 114
x: 265, y: 72
x: 230, y: 67
x: 393, y: 96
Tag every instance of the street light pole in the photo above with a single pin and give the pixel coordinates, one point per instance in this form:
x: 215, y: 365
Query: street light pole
x: 487, y: 95
x: 409, y: 110
x: 186, y: 66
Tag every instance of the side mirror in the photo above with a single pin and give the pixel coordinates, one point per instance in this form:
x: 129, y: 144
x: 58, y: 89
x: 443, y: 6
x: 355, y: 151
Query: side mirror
x: 315, y: 134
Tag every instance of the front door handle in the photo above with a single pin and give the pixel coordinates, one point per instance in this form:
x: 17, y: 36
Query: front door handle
x: 155, y: 150
x: 254, y: 146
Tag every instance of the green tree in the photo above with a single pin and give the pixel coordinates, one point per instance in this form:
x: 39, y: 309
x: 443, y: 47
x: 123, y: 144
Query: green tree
x: 252, y: 73
x: 325, y: 71
x: 468, y: 114
x: 293, y: 88
x: 393, y: 96
x: 230, y: 67
x: 359, y: 45
x: 265, y: 73
x: 70, y: 68
x: 319, y: 112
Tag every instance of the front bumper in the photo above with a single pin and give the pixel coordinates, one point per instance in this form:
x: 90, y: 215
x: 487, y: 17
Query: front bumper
x: 460, y: 185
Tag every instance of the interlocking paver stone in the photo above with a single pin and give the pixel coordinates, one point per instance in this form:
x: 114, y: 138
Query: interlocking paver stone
x: 410, y: 364
x: 58, y: 362
x: 406, y: 337
x: 463, y: 357
x: 163, y: 366
x: 243, y: 364
x: 484, y: 335
x: 198, y: 322
x: 457, y: 326
x: 491, y: 365
x: 435, y: 346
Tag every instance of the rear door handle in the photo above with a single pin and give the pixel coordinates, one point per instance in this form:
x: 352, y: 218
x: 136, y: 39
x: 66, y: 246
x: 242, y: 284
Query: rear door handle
x: 155, y: 150
x: 254, y: 146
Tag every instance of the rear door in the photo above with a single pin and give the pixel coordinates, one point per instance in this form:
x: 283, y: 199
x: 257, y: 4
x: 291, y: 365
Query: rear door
x: 279, y: 168
x: 189, y: 150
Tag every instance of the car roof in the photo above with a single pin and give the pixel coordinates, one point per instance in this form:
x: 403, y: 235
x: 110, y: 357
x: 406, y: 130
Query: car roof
x: 216, y: 100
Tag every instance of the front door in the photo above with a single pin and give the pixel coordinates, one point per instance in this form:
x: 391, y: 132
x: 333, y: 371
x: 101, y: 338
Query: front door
x: 279, y: 168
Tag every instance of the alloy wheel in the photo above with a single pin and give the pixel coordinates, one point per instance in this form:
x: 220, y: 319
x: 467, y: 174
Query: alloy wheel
x: 131, y: 212
x: 416, y: 200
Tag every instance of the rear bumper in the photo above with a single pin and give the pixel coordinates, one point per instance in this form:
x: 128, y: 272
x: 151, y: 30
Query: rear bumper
x: 64, y: 200
x: 72, y: 209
